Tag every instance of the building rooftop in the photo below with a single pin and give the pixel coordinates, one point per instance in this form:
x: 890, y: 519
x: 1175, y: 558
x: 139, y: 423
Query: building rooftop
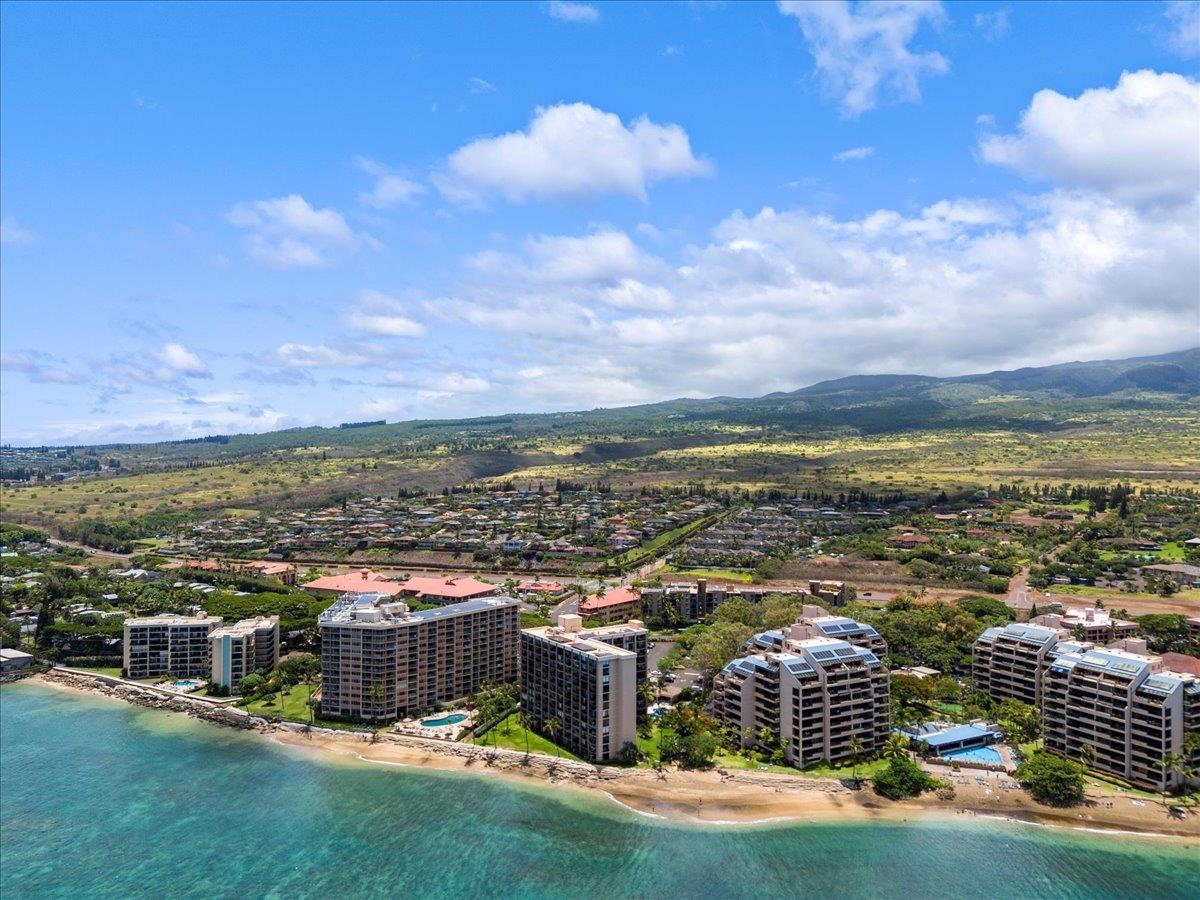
x: 362, y: 581
x: 578, y: 641
x: 611, y: 597
x: 174, y: 619
x: 463, y: 588
x: 374, y: 608
x: 939, y: 736
x: 246, y: 626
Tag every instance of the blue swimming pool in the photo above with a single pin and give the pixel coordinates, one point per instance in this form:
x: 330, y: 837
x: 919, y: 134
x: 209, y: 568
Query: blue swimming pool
x: 452, y: 719
x: 978, y: 754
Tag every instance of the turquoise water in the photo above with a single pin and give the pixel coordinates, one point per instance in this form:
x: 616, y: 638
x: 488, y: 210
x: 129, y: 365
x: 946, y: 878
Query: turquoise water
x: 452, y: 719
x: 978, y: 754
x: 103, y: 799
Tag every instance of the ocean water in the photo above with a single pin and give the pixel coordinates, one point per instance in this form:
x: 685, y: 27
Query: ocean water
x: 102, y: 799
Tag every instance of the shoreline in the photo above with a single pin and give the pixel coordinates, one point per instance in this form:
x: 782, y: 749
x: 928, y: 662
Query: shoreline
x: 708, y: 798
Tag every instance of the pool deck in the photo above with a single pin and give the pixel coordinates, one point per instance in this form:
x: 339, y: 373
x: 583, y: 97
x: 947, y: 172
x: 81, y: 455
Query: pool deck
x: 442, y: 732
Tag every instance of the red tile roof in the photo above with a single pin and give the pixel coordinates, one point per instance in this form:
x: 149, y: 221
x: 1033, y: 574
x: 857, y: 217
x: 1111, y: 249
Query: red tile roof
x: 611, y: 597
x: 365, y: 581
x: 457, y: 588
x: 1178, y: 662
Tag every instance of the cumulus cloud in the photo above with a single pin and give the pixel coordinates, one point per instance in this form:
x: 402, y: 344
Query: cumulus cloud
x: 1184, y: 16
x: 177, y: 360
x: 288, y: 232
x: 12, y: 234
x: 570, y: 151
x: 577, y: 13
x: 862, y: 50
x: 1136, y: 142
x: 391, y: 187
x: 379, y: 314
x: 854, y: 153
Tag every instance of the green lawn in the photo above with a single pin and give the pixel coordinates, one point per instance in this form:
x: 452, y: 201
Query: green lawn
x: 510, y: 735
x: 725, y: 760
x: 99, y: 670
x: 291, y: 703
x: 867, y: 769
x: 1172, y: 552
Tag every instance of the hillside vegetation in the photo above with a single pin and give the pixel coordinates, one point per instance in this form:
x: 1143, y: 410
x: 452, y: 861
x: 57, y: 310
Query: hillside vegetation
x: 1136, y: 419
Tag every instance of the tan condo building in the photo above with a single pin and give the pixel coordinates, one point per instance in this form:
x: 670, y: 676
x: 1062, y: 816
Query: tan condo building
x: 380, y: 661
x: 168, y: 645
x: 585, y: 680
x: 1126, y: 707
x: 822, y: 698
x: 252, y: 645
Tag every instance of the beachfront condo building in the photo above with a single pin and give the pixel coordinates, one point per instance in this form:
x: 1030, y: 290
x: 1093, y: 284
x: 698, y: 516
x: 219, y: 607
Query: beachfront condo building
x: 168, y: 645
x: 821, y: 698
x: 381, y: 661
x: 585, y: 681
x: 1126, y: 707
x: 249, y: 646
x: 1118, y: 708
x: 1008, y: 662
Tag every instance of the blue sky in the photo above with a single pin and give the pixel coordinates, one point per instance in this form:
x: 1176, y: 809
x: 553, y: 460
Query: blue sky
x: 223, y: 218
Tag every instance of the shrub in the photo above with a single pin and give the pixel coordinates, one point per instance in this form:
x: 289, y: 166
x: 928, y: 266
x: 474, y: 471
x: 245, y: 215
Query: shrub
x: 903, y: 778
x: 1052, y: 779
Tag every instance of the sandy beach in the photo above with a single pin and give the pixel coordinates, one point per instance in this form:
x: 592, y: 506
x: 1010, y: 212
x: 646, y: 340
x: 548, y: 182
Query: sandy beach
x: 708, y: 797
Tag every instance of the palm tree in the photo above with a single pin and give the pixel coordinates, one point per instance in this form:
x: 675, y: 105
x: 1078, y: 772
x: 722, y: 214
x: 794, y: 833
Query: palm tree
x: 553, y: 726
x: 1087, y: 755
x: 526, y: 722
x: 375, y: 692
x: 855, y: 749
x: 1170, y: 763
x: 895, y: 747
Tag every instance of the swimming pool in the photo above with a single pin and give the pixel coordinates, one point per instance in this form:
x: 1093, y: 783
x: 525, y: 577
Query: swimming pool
x: 977, y: 754
x: 188, y: 684
x: 452, y: 719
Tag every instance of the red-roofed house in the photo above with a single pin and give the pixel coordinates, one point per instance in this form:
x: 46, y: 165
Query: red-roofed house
x: 615, y: 604
x: 361, y: 582
x: 907, y: 541
x: 540, y: 587
x: 447, y: 590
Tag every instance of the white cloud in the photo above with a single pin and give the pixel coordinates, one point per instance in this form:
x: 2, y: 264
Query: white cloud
x: 391, y: 187
x: 14, y: 235
x: 40, y: 367
x: 481, y: 86
x: 310, y: 356
x: 578, y: 13
x: 1136, y: 142
x: 180, y: 361
x: 288, y: 232
x: 779, y: 299
x: 571, y: 151
x: 854, y: 153
x: 993, y: 25
x: 376, y: 313
x: 862, y: 50
x: 1184, y: 16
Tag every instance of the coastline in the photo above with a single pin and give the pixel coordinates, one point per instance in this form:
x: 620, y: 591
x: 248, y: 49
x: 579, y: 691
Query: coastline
x: 683, y: 797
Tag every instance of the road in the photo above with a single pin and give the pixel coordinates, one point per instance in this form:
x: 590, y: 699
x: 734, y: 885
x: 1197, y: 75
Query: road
x: 1018, y: 592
